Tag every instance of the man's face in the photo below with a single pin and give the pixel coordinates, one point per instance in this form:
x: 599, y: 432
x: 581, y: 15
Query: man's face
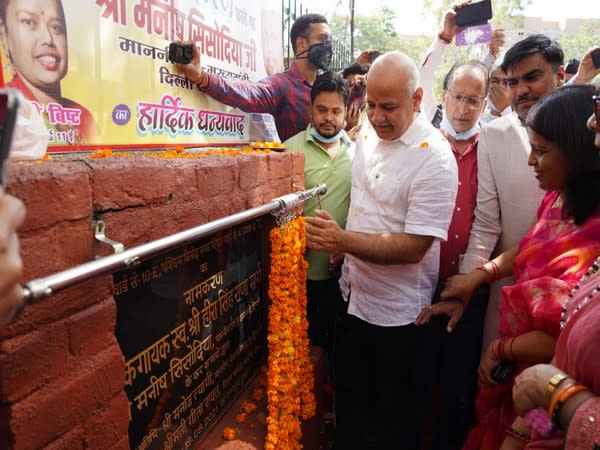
x: 464, y: 100
x: 391, y: 107
x: 530, y: 80
x: 328, y: 113
x: 317, y: 33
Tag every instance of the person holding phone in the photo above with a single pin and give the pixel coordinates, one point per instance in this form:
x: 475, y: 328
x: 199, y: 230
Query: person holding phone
x: 12, y: 214
x: 34, y: 36
x: 284, y: 95
x: 588, y: 68
x: 355, y: 74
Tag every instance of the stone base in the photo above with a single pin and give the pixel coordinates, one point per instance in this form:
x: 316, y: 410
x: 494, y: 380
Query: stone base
x: 253, y: 431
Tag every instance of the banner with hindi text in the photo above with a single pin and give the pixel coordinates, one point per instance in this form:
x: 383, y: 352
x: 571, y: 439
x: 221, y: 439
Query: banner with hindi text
x: 97, y: 70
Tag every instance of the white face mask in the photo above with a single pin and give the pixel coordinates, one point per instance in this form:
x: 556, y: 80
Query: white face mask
x: 463, y: 135
x: 319, y: 137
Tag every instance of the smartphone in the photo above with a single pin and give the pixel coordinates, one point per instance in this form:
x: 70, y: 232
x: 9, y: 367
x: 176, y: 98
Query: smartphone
x: 10, y: 100
x: 180, y: 53
x: 357, y: 96
x: 503, y: 371
x: 474, y: 13
x: 596, y: 58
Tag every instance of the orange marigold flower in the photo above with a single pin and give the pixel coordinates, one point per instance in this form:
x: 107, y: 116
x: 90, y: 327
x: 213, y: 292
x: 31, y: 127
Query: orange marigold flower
x: 258, y: 394
x: 248, y: 407
x: 241, y: 417
x: 424, y: 144
x: 230, y: 433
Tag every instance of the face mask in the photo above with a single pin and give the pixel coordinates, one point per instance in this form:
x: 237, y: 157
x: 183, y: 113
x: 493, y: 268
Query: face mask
x: 463, y: 135
x: 315, y: 134
x: 319, y: 54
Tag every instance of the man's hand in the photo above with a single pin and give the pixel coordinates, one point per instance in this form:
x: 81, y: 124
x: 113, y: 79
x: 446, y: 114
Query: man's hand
x: 462, y: 287
x: 193, y: 70
x: 452, y: 308
x: 587, y: 71
x: 499, y: 97
x: 497, y: 42
x: 352, y: 116
x: 12, y: 213
x: 323, y: 233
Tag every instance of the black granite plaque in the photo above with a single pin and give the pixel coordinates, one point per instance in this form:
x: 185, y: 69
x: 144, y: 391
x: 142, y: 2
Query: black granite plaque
x: 191, y: 324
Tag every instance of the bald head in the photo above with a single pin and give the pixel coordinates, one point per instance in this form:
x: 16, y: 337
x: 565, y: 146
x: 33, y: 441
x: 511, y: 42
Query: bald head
x: 393, y: 94
x: 395, y: 66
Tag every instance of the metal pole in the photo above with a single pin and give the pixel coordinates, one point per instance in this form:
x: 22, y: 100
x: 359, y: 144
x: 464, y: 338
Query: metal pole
x: 44, y: 287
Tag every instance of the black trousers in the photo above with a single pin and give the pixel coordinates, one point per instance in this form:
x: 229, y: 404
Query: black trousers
x: 452, y: 362
x: 378, y: 397
x: 324, y: 301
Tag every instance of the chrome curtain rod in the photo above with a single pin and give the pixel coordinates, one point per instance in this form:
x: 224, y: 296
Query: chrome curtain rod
x: 44, y: 287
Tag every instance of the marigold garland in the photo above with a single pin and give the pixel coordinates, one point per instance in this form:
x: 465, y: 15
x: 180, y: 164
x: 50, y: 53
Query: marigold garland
x: 290, y: 378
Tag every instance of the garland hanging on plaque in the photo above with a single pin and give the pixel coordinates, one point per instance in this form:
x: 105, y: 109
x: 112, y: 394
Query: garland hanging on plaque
x: 290, y: 379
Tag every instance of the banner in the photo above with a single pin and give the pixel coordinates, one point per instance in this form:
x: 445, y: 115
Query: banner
x: 97, y: 70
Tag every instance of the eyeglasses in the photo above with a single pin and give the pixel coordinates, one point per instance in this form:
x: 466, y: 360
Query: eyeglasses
x: 471, y: 102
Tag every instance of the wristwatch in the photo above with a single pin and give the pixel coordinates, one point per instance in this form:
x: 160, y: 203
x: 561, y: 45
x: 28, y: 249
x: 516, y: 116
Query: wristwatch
x: 553, y: 384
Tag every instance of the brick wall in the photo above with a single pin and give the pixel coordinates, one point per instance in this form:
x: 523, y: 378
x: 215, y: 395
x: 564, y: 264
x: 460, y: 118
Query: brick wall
x: 61, y: 369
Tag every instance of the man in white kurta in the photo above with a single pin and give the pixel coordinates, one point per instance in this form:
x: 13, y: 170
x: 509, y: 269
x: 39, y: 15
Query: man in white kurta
x: 404, y: 181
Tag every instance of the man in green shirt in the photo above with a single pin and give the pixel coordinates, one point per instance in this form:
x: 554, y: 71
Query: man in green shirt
x: 327, y: 159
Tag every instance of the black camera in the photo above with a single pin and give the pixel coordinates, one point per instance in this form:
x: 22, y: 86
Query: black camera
x: 179, y: 53
x: 596, y: 58
x: 503, y: 371
x: 476, y: 13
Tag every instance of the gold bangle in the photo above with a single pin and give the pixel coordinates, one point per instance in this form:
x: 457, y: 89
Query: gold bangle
x: 555, y: 380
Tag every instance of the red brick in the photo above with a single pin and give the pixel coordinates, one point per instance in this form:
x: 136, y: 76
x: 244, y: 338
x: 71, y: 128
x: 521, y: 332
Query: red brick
x: 60, y: 305
x: 92, y: 330
x: 52, y: 192
x: 124, y: 182
x: 107, y: 426
x: 71, y: 440
x: 282, y: 187
x: 253, y: 171
x: 65, y: 245
x: 298, y: 165
x: 216, y: 176
x: 49, y: 412
x: 31, y: 361
x: 279, y: 165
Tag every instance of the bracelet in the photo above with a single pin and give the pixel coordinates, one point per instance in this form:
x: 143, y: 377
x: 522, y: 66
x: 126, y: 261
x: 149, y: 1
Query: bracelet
x: 492, y: 269
x: 561, y: 397
x: 553, y: 384
x: 521, y: 436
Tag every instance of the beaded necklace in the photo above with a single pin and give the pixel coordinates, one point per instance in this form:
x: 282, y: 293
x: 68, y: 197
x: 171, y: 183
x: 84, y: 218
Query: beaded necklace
x: 586, y: 276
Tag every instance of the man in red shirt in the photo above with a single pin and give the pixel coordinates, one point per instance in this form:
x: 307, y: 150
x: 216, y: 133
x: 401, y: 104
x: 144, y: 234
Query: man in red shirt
x: 285, y: 95
x: 452, y: 358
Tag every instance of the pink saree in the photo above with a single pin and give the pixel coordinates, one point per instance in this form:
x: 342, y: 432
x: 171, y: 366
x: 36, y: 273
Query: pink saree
x: 553, y: 256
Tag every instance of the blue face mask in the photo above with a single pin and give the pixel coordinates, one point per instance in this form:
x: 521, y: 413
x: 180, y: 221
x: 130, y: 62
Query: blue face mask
x: 463, y: 135
x: 315, y: 134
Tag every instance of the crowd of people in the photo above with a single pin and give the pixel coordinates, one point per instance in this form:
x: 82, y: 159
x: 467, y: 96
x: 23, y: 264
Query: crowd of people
x: 452, y: 271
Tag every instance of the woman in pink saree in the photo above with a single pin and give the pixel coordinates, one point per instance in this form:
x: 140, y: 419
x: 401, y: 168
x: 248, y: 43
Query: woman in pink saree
x: 576, y: 362
x: 549, y: 261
